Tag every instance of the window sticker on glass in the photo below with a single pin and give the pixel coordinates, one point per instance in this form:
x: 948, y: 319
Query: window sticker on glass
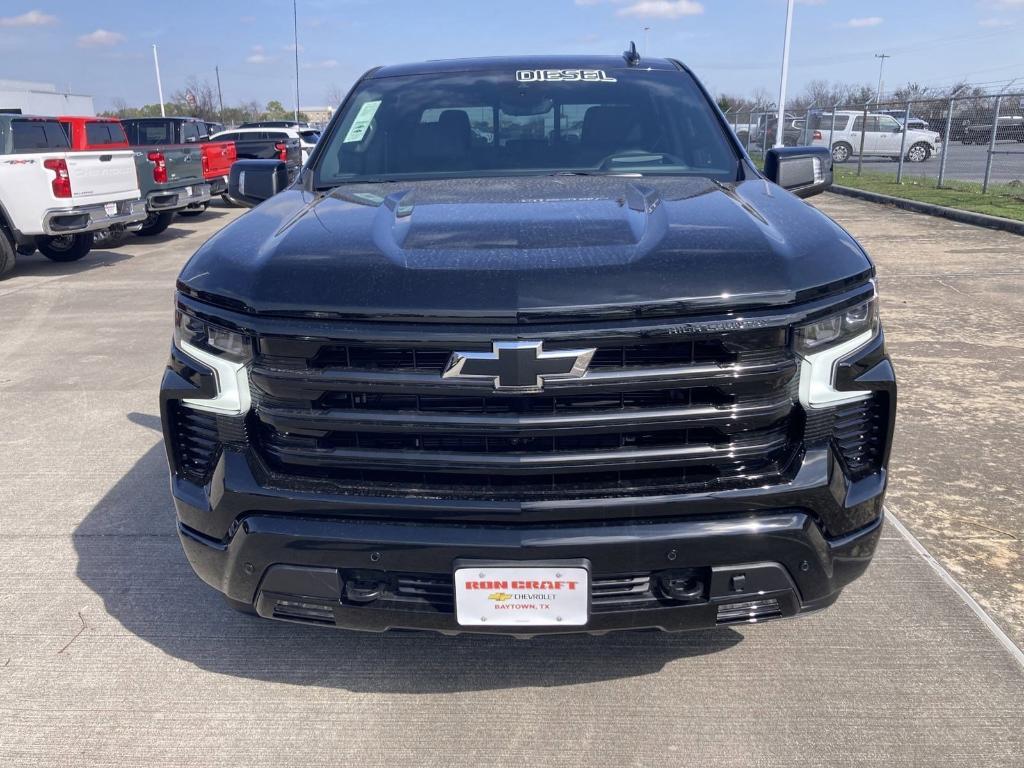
x: 563, y: 75
x: 362, y: 122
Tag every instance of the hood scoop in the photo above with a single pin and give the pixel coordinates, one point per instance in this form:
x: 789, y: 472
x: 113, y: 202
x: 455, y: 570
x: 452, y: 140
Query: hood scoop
x: 406, y: 221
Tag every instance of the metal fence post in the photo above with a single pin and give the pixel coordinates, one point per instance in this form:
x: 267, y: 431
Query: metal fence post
x: 992, y: 145
x: 903, y: 144
x: 832, y: 130
x: 947, y: 138
x: 764, y: 142
x: 863, y: 128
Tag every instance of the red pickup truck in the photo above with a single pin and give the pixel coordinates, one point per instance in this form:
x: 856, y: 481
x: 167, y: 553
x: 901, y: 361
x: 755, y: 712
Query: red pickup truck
x: 108, y: 133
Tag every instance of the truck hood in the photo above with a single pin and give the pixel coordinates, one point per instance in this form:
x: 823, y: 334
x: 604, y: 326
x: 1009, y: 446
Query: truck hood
x: 503, y: 249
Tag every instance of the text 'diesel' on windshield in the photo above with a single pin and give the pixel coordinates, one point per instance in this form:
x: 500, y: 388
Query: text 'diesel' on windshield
x: 563, y: 75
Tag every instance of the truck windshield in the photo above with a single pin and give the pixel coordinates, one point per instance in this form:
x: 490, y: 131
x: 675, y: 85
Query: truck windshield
x: 472, y: 124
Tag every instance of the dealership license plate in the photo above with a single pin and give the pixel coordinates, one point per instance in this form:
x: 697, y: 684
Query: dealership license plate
x: 111, y: 209
x: 522, y: 596
x: 188, y: 191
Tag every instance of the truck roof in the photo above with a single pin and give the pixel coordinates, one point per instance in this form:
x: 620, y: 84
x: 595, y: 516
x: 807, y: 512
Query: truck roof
x: 516, y: 62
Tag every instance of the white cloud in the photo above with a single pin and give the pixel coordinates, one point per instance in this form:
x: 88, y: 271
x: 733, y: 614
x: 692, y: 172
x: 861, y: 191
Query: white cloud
x: 30, y: 19
x: 995, y: 23
x: 259, y: 56
x: 322, y: 64
x: 291, y: 48
x: 101, y: 38
x: 662, y: 9
x: 865, y: 21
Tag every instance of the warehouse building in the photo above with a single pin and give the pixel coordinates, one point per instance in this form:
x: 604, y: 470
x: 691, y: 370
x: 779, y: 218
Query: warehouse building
x: 27, y: 98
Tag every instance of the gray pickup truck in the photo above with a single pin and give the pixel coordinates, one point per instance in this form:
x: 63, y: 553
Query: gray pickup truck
x: 170, y: 174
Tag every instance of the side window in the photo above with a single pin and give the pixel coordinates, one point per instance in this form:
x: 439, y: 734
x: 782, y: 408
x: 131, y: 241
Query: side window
x: 97, y: 133
x: 189, y: 132
x: 117, y: 133
x: 227, y: 137
x: 888, y: 124
x: 858, y: 125
x: 67, y: 129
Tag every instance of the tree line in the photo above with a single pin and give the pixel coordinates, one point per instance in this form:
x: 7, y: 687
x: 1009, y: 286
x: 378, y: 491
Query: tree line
x: 823, y: 94
x: 199, y: 99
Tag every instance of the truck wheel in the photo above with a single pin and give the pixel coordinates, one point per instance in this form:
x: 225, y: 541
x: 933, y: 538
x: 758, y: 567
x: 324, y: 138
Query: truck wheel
x: 156, y: 223
x: 190, y: 212
x: 25, y: 250
x: 841, y: 152
x: 919, y: 153
x: 229, y: 201
x: 65, y: 247
x: 237, y: 605
x: 7, y: 256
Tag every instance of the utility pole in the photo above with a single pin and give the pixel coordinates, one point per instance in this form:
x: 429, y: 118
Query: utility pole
x: 881, y: 66
x: 220, y: 96
x: 295, y: 28
x: 159, y: 85
x: 784, y: 77
x: 646, y: 30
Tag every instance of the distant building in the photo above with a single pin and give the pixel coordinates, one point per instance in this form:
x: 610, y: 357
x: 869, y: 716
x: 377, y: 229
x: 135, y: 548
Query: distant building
x: 28, y: 98
x: 317, y: 114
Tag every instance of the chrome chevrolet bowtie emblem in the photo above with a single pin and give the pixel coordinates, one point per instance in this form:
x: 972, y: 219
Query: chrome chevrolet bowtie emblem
x: 519, y: 365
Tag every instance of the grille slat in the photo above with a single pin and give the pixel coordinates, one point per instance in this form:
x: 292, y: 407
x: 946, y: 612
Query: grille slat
x: 650, y: 415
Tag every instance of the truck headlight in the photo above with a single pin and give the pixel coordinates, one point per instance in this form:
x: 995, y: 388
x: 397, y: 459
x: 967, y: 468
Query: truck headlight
x: 823, y: 343
x: 209, y: 337
x: 836, y: 329
x: 226, y: 353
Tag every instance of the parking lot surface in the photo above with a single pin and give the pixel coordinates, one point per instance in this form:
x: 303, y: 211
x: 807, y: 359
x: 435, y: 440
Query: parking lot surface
x: 113, y: 653
x: 964, y: 162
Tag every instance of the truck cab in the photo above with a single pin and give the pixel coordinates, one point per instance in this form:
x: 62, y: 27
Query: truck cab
x: 529, y: 346
x: 55, y: 199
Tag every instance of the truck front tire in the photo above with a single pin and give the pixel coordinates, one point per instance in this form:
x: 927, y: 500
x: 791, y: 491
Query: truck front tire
x: 63, y: 248
x: 156, y: 223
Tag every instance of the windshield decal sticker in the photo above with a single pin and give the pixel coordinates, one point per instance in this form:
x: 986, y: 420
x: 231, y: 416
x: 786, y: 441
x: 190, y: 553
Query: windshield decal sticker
x: 563, y: 75
x: 362, y: 122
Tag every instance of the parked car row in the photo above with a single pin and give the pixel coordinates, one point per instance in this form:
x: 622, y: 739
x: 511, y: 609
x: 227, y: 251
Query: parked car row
x: 70, y: 182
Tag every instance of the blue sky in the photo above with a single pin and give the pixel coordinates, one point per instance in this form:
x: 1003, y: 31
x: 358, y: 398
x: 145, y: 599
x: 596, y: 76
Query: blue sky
x: 104, y: 48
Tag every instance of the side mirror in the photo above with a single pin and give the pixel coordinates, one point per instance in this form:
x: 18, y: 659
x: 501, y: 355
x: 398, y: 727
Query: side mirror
x: 804, y: 171
x: 253, y: 181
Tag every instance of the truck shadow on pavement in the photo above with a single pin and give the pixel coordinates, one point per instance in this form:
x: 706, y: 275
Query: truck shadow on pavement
x: 129, y: 555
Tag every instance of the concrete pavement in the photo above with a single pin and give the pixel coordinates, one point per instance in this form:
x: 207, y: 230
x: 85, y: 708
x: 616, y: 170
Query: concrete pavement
x: 112, y: 653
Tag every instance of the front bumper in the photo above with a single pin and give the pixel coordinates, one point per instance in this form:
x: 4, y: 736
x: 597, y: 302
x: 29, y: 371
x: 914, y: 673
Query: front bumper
x: 89, y: 218
x: 175, y: 199
x: 299, y: 569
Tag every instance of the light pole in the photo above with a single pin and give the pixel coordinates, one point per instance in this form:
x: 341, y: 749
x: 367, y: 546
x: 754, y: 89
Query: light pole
x: 646, y: 30
x: 295, y: 29
x: 881, y: 65
x: 159, y: 85
x: 785, y: 75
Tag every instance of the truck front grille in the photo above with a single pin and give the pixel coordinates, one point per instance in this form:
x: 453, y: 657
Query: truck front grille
x: 653, y: 415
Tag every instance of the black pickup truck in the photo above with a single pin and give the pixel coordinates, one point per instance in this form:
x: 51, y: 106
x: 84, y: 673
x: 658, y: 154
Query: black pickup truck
x: 529, y: 346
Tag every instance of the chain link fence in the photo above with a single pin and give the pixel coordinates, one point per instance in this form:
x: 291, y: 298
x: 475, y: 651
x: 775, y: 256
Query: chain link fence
x: 973, y: 139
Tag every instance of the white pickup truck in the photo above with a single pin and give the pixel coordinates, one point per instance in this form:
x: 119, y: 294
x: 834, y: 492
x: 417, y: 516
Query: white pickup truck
x: 54, y: 199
